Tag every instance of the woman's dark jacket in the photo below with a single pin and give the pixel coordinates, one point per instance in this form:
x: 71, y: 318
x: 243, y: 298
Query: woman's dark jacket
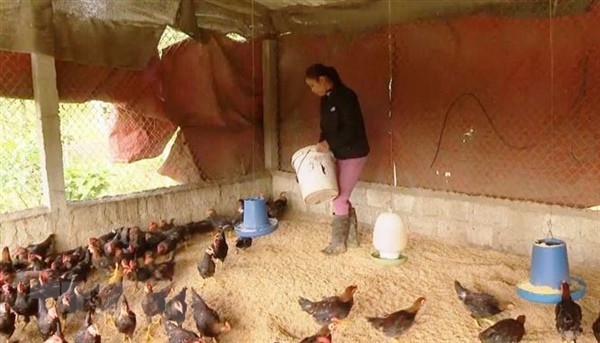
x: 342, y: 124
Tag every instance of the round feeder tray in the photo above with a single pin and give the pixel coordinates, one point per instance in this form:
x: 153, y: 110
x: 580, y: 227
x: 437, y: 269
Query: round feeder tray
x: 400, y: 260
x: 245, y: 232
x: 547, y: 295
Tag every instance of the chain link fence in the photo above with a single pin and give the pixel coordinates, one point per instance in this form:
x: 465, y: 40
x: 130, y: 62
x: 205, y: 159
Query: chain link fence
x: 20, y: 176
x: 113, y: 141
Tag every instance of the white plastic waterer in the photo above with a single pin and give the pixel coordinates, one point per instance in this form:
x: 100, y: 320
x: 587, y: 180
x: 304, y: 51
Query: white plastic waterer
x: 390, y: 236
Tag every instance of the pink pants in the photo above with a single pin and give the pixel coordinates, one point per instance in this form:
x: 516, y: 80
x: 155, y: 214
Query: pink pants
x: 347, y: 172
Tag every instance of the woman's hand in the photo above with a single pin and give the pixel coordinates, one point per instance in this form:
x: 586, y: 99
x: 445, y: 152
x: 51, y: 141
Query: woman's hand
x: 322, y: 146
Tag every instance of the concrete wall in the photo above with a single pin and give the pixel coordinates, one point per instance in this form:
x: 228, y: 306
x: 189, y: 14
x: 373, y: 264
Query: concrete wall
x: 83, y: 219
x: 496, y: 223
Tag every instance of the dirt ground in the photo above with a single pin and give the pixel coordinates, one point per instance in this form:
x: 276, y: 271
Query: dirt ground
x: 257, y: 290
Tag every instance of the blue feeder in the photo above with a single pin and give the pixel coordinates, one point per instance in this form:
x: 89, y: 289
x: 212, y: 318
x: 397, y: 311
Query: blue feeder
x: 549, y: 268
x: 256, y: 222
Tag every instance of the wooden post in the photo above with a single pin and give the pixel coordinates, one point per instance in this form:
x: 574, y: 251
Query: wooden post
x: 270, y: 104
x: 45, y: 94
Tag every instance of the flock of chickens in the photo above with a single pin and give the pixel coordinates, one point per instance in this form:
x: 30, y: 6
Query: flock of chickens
x: 38, y: 282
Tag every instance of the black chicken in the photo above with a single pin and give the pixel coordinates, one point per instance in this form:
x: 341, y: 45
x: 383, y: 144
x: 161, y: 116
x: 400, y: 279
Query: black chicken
x: 176, y: 307
x: 7, y: 321
x: 218, y: 221
x: 243, y: 243
x: 67, y: 302
x: 206, y: 319
x: 505, y: 331
x: 322, y: 336
x: 43, y: 249
x: 88, y: 332
x: 334, y: 307
x: 178, y: 334
x: 109, y: 295
x: 277, y: 208
x: 58, y: 336
x: 125, y: 320
x: 87, y: 301
x: 206, y: 266
x: 568, y: 315
x: 395, y: 324
x: 481, y: 305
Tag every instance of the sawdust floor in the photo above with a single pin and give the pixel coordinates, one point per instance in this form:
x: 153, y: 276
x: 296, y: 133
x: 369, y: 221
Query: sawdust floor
x: 257, y: 290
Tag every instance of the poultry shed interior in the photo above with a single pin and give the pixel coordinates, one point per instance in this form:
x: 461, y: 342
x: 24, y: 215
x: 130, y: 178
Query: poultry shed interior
x: 482, y: 122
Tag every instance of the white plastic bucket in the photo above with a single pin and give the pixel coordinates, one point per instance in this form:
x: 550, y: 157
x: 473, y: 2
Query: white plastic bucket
x: 316, y: 175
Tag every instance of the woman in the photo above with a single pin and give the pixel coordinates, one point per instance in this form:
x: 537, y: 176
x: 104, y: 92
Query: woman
x: 342, y: 133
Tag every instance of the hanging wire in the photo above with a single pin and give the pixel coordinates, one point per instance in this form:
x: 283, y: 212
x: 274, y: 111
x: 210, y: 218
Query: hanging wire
x: 253, y: 59
x: 551, y: 13
x: 390, y: 88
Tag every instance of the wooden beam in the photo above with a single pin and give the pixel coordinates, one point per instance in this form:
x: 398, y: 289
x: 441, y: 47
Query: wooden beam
x: 270, y: 104
x: 46, y: 104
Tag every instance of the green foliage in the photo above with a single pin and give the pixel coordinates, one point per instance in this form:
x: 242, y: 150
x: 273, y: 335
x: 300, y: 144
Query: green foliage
x: 81, y: 184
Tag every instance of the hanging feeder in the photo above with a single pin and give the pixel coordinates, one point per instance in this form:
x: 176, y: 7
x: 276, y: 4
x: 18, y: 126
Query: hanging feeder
x: 549, y: 268
x: 256, y: 221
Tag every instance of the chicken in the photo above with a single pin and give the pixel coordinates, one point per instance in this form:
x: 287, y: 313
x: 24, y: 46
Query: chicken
x: 277, y: 208
x: 243, y: 243
x: 8, y: 295
x: 568, y: 315
x: 67, y: 302
x: 47, y: 318
x: 7, y: 321
x: 218, y: 221
x: 153, y: 304
x: 178, y: 334
x: 481, y: 305
x: 110, y: 294
x: 176, y: 307
x: 505, y: 331
x: 87, y: 301
x: 7, y: 269
x: 395, y: 324
x: 596, y: 328
x: 136, y: 273
x: 219, y: 246
x: 206, y: 266
x: 100, y: 261
x: 169, y: 244
x: 88, y: 332
x: 43, y: 249
x: 164, y: 270
x: 239, y: 213
x: 126, y: 319
x: 58, y: 336
x: 337, y: 307
x: 24, y: 305
x: 322, y: 336
x: 206, y: 319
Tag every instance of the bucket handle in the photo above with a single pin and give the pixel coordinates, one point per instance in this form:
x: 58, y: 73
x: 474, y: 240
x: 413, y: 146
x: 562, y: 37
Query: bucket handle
x: 302, y: 161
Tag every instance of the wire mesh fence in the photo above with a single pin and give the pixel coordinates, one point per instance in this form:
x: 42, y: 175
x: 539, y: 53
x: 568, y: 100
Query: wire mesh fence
x: 20, y: 176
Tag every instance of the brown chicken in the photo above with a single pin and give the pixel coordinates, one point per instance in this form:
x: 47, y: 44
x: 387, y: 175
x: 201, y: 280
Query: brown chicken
x: 44, y: 248
x: 88, y: 332
x: 243, y: 243
x: 7, y: 321
x: 206, y: 266
x: 7, y: 269
x: 218, y: 221
x: 206, y: 319
x: 154, y: 304
x: 596, y: 328
x: 323, y: 335
x: 165, y: 270
x: 8, y: 295
x: 395, y: 324
x: 125, y: 320
x: 24, y: 305
x: 276, y: 208
x: 337, y: 307
x: 219, y: 246
x: 568, y: 315
x: 178, y: 334
x: 505, y: 331
x: 480, y: 305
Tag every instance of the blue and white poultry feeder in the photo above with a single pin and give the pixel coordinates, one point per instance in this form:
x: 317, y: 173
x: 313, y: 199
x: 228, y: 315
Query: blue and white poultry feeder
x: 256, y: 221
x: 549, y: 268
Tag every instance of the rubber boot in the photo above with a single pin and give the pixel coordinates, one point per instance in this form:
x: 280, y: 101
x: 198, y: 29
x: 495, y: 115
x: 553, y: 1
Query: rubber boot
x: 339, y: 234
x: 353, y: 238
